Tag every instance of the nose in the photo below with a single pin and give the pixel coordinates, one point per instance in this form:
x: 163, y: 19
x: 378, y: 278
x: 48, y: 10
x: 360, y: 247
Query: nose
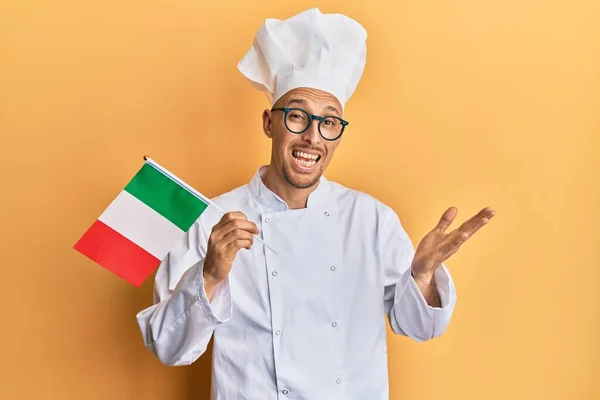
x: 311, y: 134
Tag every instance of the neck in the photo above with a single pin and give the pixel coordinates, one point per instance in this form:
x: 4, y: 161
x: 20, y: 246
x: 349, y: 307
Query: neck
x: 295, y: 198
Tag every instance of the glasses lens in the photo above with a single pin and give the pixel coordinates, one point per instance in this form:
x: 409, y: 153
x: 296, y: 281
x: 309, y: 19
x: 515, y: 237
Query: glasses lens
x: 331, y: 127
x: 297, y: 121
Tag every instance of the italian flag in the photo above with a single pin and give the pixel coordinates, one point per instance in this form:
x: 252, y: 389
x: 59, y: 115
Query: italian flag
x: 142, y: 224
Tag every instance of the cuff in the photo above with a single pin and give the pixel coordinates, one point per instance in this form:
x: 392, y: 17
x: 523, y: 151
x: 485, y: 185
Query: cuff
x: 220, y: 308
x: 444, y: 285
x: 417, y: 318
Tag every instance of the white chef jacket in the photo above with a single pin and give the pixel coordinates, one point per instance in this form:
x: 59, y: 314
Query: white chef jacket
x: 309, y: 322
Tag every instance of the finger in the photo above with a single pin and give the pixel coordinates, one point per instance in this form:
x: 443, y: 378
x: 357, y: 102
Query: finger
x: 221, y: 234
x: 486, y: 212
x: 219, y: 231
x: 468, y: 224
x: 475, y: 223
x: 240, y: 224
x: 446, y: 219
x: 236, y: 234
x: 230, y: 216
x: 238, y: 244
x: 456, y: 238
x: 225, y: 247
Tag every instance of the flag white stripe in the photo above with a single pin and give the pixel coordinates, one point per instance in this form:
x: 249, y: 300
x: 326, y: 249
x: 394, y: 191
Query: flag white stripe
x: 141, y: 224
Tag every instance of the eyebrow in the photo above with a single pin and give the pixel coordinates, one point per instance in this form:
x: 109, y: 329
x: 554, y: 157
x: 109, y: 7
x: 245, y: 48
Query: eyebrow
x: 302, y: 102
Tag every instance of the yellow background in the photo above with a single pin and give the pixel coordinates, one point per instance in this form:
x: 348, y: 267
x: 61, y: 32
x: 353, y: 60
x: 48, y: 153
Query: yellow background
x: 468, y: 103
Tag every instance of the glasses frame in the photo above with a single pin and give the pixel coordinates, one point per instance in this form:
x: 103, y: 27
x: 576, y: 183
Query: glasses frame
x: 311, y: 118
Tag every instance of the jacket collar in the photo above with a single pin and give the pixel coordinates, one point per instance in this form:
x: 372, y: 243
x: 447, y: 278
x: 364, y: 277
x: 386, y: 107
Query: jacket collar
x: 275, y: 203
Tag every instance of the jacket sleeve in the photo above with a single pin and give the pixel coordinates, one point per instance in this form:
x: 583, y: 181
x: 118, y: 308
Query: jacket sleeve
x: 406, y: 308
x: 180, y: 323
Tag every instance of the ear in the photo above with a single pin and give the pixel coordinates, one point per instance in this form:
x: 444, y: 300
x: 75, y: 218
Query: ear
x: 267, y: 123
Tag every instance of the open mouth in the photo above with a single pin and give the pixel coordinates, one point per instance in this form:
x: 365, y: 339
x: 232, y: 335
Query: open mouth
x: 305, y: 159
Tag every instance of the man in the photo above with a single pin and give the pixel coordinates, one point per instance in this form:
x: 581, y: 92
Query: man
x: 308, y: 321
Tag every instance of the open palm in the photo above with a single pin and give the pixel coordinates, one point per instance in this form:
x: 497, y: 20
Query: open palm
x: 437, y: 246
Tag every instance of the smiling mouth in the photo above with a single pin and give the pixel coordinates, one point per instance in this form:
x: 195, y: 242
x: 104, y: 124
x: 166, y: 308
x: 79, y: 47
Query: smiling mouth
x: 304, y: 159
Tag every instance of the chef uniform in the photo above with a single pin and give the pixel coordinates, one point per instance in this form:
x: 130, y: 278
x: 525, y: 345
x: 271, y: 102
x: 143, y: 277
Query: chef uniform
x: 307, y: 322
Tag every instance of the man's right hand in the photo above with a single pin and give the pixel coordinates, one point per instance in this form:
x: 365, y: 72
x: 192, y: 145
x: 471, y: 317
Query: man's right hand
x: 232, y: 233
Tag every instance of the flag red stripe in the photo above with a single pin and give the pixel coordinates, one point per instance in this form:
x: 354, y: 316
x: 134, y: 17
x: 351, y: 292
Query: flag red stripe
x: 116, y: 253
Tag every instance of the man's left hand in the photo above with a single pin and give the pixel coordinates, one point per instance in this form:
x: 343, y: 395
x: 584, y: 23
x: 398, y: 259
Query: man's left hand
x: 437, y: 246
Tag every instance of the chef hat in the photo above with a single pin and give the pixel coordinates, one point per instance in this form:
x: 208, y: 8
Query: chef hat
x: 310, y: 49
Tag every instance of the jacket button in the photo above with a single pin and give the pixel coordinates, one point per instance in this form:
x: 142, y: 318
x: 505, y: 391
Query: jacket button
x: 274, y: 273
x: 334, y: 324
x: 267, y: 220
x: 326, y: 214
x: 284, y: 391
x: 333, y: 267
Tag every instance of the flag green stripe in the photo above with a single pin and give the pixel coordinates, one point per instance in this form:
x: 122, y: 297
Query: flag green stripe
x: 166, y: 197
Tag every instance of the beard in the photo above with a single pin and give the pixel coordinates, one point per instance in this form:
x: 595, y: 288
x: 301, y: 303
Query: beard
x: 297, y: 181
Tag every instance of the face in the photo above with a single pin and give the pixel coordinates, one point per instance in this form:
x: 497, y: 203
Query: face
x: 301, y: 159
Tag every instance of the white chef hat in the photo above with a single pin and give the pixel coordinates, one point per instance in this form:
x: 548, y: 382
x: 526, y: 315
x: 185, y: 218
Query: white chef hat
x: 310, y: 49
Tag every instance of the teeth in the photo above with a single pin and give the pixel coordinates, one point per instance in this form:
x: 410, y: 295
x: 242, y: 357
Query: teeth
x: 305, y: 159
x: 306, y: 163
x: 305, y: 155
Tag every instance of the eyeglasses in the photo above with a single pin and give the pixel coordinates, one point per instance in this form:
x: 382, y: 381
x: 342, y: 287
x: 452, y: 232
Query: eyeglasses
x: 298, y: 120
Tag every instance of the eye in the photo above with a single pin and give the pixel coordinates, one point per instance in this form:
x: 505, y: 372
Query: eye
x: 297, y: 115
x: 330, y: 122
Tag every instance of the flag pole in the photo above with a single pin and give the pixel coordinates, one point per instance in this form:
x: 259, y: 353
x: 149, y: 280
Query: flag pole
x: 194, y: 192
